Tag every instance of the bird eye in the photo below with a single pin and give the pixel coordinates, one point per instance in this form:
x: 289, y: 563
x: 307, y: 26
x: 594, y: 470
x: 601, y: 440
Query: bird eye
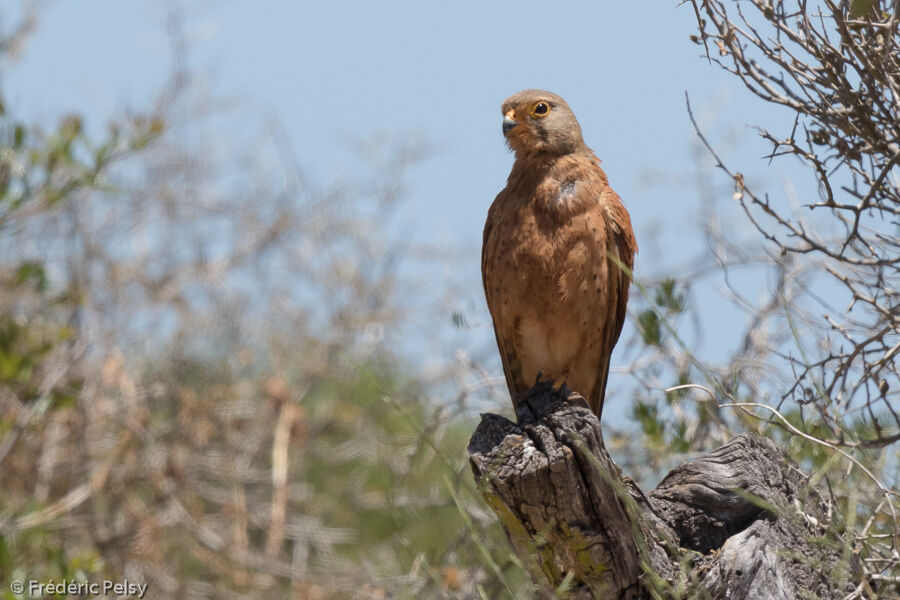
x: 539, y: 109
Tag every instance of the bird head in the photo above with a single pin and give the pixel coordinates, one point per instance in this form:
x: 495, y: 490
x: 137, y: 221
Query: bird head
x: 540, y: 122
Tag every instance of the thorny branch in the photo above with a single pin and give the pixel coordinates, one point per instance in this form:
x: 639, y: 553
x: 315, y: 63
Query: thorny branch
x: 838, y: 72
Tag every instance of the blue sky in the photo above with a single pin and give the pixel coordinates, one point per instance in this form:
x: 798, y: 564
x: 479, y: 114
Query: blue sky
x: 332, y: 72
x: 337, y: 71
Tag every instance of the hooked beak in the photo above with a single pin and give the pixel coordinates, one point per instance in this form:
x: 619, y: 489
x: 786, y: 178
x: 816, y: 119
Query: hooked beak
x: 509, y: 122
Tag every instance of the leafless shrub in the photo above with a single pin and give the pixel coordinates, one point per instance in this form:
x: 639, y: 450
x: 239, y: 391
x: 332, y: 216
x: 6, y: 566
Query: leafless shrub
x: 831, y: 374
x: 225, y: 414
x: 839, y: 74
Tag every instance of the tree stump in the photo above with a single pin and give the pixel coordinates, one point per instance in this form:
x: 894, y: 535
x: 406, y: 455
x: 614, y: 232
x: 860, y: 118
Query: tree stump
x: 737, y: 522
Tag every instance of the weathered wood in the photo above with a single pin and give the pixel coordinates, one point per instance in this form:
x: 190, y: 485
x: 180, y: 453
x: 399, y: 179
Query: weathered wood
x: 734, y: 523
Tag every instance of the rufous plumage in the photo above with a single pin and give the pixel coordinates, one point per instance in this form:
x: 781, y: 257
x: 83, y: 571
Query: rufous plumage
x: 555, y: 244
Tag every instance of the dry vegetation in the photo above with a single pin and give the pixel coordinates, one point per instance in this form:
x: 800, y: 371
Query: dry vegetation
x: 197, y: 382
x: 197, y: 388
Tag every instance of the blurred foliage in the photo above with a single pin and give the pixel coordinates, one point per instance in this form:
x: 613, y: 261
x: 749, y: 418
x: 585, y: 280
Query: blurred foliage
x: 38, y: 381
x: 233, y: 459
x: 668, y: 301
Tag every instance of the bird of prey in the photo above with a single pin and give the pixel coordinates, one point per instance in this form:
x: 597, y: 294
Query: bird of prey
x: 555, y: 241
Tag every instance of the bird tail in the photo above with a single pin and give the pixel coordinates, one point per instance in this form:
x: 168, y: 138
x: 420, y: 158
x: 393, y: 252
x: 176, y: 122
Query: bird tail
x: 598, y: 394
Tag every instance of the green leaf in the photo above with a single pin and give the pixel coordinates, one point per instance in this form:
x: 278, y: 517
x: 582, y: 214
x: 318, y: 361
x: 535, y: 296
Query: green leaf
x: 64, y: 398
x: 860, y: 8
x: 668, y: 296
x: 459, y: 320
x: 647, y: 414
x: 14, y: 369
x: 680, y: 443
x: 683, y: 378
x: 648, y: 322
x: 18, y: 137
x: 32, y: 272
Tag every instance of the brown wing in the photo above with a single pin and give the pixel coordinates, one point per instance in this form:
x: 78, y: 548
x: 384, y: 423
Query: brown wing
x: 621, y: 248
x: 512, y: 368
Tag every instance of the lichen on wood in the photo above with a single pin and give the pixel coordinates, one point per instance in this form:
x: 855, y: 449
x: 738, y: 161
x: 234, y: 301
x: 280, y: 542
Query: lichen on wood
x: 736, y: 522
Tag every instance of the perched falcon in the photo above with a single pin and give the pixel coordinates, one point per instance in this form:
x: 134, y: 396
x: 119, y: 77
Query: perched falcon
x: 554, y: 241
